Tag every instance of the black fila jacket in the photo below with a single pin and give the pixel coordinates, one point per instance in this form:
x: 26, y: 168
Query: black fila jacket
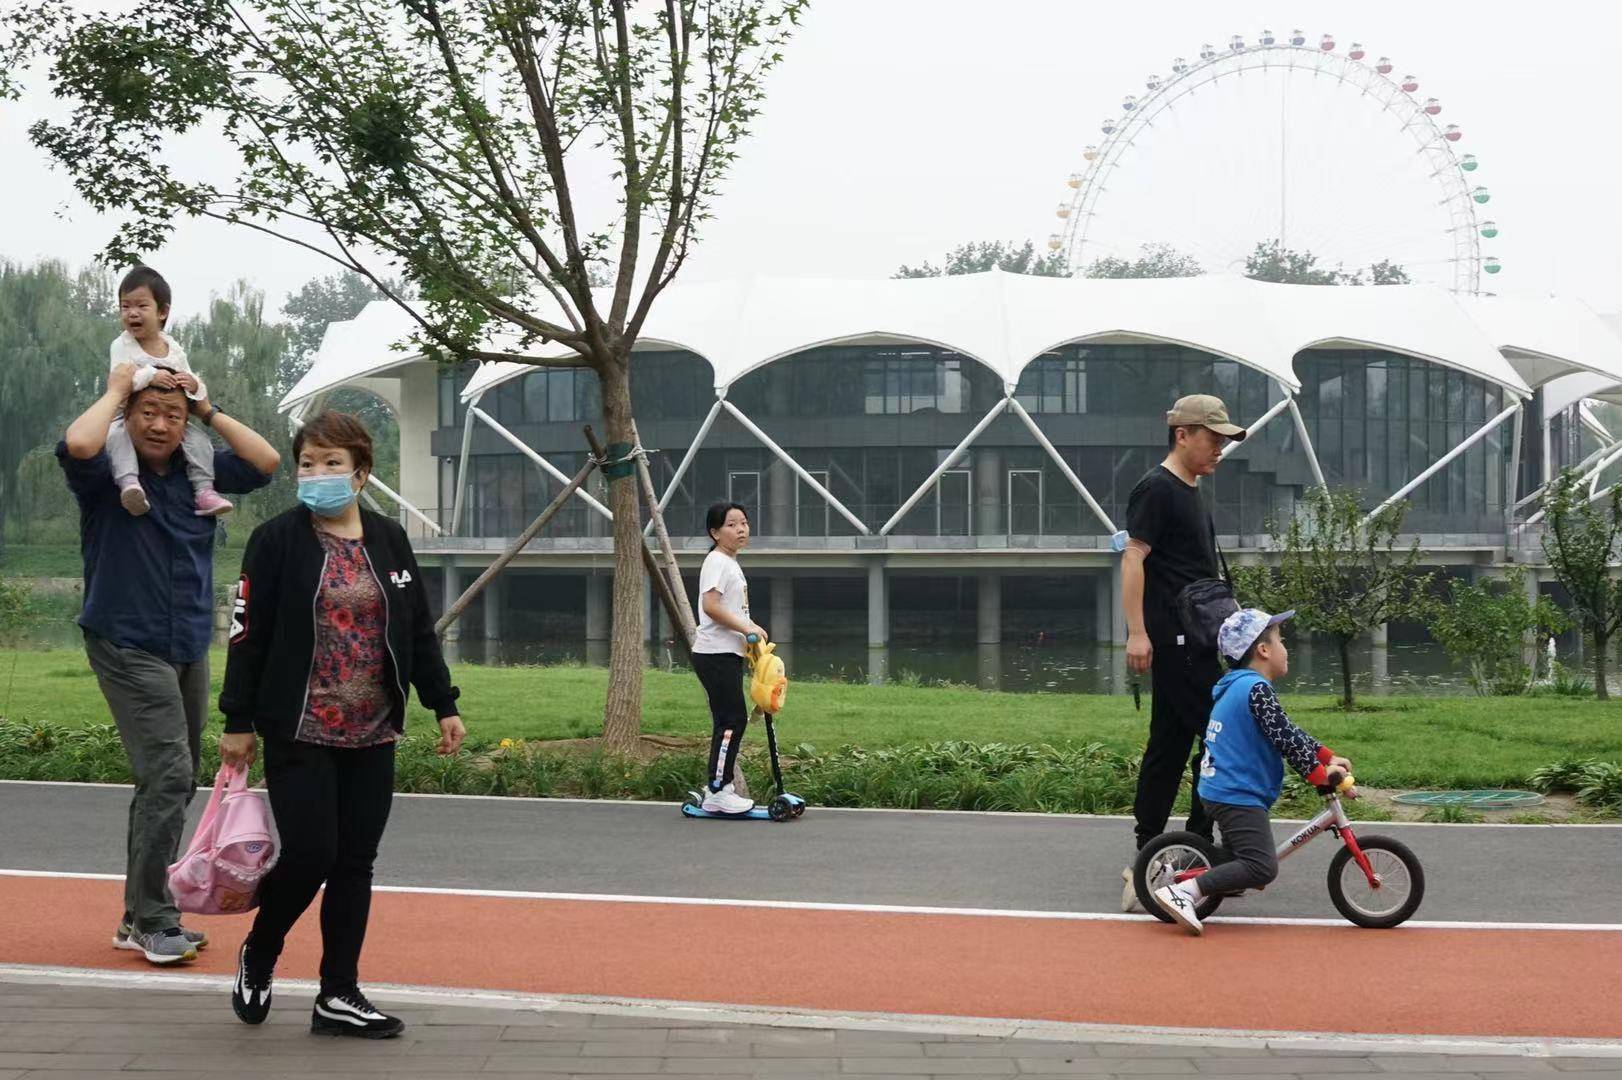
x: 272, y: 650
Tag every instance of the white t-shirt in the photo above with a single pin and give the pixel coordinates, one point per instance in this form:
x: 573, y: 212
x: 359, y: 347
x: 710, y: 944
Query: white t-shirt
x: 126, y: 350
x: 722, y: 574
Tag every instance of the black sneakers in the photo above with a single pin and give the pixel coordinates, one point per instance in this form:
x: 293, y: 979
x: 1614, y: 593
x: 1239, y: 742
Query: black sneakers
x: 250, y: 994
x: 349, y: 1013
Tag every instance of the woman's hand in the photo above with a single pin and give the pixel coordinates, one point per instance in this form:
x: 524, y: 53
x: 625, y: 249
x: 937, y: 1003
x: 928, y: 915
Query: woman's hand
x: 239, y: 749
x: 451, y: 734
x: 758, y: 630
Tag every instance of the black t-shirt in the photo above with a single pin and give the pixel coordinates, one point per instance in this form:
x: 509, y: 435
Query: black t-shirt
x: 1167, y: 514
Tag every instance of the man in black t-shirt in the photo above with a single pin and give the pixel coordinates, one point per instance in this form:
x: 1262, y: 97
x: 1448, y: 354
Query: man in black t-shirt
x: 1172, y: 543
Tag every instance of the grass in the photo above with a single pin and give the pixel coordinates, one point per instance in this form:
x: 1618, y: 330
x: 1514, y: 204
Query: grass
x: 1409, y: 742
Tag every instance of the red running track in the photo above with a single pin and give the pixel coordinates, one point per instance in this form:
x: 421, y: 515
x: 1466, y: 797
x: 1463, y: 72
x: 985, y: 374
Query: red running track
x: 1415, y: 981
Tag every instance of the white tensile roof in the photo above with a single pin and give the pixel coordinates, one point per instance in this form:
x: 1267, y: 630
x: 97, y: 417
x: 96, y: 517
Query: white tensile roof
x: 1006, y: 321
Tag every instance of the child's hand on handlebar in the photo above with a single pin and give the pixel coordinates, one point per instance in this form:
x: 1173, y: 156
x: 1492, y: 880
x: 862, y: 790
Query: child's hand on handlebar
x: 1343, y: 764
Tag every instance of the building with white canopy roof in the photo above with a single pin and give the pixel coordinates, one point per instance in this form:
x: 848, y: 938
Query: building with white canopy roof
x: 991, y: 425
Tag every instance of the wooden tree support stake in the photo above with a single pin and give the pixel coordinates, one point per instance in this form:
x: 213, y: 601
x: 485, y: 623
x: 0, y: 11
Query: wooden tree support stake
x: 688, y: 623
x: 680, y: 615
x: 454, y: 612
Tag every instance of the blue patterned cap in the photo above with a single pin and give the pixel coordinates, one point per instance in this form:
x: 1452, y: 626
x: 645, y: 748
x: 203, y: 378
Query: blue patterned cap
x: 1241, y: 629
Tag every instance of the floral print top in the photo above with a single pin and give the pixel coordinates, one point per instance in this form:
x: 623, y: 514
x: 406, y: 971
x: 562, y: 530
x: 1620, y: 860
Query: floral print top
x: 349, y: 702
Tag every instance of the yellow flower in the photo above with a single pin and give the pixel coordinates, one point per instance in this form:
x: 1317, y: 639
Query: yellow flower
x: 506, y: 744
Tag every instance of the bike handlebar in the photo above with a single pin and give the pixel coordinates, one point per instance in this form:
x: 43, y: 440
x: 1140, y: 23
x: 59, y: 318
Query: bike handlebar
x: 1340, y: 783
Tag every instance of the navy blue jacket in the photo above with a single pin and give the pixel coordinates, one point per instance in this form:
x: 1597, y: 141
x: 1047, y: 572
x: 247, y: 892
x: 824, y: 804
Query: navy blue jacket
x: 149, y: 580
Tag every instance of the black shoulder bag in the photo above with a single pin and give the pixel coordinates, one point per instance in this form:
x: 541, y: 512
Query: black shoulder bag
x: 1202, y: 605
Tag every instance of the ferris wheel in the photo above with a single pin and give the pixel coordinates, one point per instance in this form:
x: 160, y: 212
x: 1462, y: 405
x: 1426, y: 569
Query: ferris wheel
x: 1452, y: 228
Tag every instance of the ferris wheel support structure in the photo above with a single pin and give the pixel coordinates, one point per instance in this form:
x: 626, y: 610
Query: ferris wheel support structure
x: 1449, y: 170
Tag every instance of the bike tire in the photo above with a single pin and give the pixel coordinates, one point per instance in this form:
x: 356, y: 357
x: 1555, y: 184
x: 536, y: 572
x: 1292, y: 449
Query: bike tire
x: 1416, y: 876
x: 1209, y: 852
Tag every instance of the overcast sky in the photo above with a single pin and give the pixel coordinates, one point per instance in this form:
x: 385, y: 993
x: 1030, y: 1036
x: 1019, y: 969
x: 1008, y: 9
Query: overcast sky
x: 897, y: 129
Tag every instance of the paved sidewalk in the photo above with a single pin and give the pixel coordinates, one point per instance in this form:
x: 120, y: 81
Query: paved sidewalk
x: 52, y: 1032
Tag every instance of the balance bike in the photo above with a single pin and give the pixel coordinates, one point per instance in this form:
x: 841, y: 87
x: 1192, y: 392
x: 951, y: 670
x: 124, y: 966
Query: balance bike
x: 1375, y: 882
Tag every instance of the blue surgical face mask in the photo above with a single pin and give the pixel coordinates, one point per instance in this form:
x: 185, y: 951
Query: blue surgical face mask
x: 328, y: 495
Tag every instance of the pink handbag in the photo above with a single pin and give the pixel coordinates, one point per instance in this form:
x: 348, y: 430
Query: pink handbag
x: 230, y: 853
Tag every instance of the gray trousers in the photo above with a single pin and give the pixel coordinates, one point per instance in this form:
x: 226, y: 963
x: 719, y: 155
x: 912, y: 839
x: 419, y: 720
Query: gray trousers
x: 195, y: 443
x: 1248, y: 836
x: 159, y: 708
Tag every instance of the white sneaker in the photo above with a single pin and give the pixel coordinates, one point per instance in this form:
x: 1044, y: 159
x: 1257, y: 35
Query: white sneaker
x: 1176, y: 903
x: 727, y: 801
x: 1129, y: 892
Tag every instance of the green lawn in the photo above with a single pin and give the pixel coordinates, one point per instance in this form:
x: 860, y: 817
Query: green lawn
x: 1407, y: 742
x: 40, y: 560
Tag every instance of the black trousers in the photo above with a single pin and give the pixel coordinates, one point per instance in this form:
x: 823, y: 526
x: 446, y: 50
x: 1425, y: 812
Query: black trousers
x: 331, y: 805
x: 1180, y: 681
x: 721, y: 675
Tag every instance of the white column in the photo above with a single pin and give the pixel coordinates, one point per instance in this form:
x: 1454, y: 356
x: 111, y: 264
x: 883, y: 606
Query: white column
x: 495, y: 592
x: 1117, y: 604
x: 782, y: 614
x: 988, y: 611
x: 599, y: 601
x: 878, y: 606
x: 989, y: 498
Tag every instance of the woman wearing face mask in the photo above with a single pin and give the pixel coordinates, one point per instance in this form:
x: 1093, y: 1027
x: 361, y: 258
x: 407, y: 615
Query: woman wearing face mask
x: 331, y: 625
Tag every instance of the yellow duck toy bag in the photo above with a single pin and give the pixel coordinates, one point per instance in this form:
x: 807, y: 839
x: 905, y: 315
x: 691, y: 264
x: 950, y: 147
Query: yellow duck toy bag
x: 768, y: 683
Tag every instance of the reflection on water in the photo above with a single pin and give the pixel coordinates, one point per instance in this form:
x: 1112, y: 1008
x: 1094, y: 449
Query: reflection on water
x: 1068, y: 669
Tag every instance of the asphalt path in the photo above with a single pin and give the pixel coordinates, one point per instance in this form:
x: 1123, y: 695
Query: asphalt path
x: 1009, y: 862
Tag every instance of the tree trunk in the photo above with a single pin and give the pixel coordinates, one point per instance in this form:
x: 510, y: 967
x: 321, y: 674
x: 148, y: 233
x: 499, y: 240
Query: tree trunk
x: 1346, y: 673
x: 1601, y: 647
x: 622, y: 711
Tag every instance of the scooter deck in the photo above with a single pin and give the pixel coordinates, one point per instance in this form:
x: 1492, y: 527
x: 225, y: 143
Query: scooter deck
x: 758, y: 813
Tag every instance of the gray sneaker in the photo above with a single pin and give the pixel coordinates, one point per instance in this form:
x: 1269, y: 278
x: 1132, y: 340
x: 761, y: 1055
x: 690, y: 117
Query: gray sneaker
x: 167, y: 946
x: 121, y: 938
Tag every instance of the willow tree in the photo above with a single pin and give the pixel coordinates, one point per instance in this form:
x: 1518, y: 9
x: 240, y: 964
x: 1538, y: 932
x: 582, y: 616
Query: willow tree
x: 459, y: 145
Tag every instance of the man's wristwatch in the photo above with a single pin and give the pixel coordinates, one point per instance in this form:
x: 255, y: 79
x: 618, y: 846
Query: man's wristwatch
x: 213, y: 411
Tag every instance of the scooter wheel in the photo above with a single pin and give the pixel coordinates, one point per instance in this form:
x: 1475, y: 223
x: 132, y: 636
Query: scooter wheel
x: 693, y: 800
x: 780, y: 810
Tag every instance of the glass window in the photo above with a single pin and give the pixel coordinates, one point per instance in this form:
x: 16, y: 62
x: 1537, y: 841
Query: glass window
x: 535, y: 395
x: 560, y: 395
x: 873, y: 382
x: 1375, y: 385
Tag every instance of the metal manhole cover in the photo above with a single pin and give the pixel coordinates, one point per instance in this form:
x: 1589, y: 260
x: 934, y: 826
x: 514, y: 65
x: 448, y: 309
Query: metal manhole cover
x: 1486, y: 799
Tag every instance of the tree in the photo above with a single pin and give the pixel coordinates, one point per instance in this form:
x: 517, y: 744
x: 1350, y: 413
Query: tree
x: 1153, y: 261
x: 239, y: 355
x: 443, y: 142
x: 1583, y: 541
x: 977, y: 258
x: 54, y: 331
x: 1487, y: 626
x: 1270, y: 260
x: 1342, y: 576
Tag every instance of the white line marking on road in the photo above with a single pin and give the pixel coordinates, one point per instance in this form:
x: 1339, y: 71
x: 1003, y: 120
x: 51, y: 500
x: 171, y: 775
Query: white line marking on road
x: 881, y: 909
